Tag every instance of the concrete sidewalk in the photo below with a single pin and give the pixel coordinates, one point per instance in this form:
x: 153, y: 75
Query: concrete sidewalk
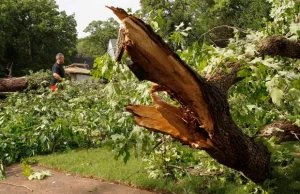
x: 59, y: 183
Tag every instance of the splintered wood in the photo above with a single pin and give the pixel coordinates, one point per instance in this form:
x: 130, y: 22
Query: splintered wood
x: 168, y: 119
x: 153, y: 60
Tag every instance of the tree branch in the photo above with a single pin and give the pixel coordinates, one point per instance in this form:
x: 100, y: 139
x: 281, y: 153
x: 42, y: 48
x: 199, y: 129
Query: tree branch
x: 284, y: 130
x: 279, y: 46
x: 224, y: 80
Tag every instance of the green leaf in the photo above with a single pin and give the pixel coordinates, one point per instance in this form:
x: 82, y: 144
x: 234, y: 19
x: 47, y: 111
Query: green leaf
x: 39, y: 175
x: 178, y: 27
x: 184, y: 33
x: 154, y: 25
x: 43, y: 138
x: 297, y: 122
x: 127, y: 156
x: 250, y: 49
x: 244, y: 73
x: 202, y: 65
x: 295, y: 28
x: 2, y: 171
x: 27, y: 170
x: 117, y: 137
x: 187, y: 29
x: 276, y: 95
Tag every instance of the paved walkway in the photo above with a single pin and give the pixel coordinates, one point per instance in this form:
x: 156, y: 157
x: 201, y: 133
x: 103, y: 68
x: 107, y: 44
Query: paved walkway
x: 59, y: 183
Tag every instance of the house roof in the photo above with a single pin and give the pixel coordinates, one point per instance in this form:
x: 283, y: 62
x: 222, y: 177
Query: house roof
x: 89, y: 61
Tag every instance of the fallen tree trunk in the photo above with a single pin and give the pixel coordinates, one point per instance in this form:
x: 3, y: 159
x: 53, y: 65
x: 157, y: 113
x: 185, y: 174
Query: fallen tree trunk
x: 203, y: 119
x: 14, y: 84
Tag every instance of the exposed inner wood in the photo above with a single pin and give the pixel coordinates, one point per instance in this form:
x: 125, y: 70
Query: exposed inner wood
x: 171, y: 120
x: 202, y: 119
x: 170, y: 72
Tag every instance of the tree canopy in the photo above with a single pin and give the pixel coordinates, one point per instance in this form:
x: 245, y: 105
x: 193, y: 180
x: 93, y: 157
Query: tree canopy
x: 206, y: 14
x: 31, y: 33
x: 96, y: 44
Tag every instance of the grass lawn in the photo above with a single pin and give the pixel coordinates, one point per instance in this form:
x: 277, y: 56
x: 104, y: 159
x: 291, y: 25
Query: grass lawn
x: 100, y: 163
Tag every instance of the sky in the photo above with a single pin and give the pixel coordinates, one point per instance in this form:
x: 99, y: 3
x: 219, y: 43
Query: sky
x: 87, y: 11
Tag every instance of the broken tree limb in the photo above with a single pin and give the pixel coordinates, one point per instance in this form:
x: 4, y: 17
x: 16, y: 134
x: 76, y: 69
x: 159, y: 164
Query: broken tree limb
x: 279, y: 46
x: 169, y: 64
x: 14, y: 84
x: 284, y: 130
x: 168, y: 119
x: 203, y: 118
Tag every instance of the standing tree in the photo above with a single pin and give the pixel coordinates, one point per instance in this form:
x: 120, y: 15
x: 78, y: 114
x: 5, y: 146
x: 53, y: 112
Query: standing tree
x: 96, y: 44
x: 32, y: 32
x: 206, y: 14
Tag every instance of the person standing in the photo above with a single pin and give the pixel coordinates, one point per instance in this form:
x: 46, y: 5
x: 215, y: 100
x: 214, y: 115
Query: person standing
x: 58, y: 72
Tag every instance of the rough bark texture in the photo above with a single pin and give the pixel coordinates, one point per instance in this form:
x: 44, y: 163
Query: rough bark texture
x: 284, y: 130
x: 281, y: 46
x: 14, y: 84
x: 224, y: 80
x: 203, y: 119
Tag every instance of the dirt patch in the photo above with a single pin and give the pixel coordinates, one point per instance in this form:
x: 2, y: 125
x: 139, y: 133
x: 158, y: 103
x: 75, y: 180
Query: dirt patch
x: 59, y: 183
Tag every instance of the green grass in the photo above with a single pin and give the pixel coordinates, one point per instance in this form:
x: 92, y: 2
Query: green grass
x: 100, y: 163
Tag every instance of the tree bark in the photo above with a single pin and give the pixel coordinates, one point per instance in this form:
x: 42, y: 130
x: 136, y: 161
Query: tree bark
x: 279, y: 46
x: 284, y: 130
x: 14, y: 84
x: 224, y: 80
x: 203, y: 118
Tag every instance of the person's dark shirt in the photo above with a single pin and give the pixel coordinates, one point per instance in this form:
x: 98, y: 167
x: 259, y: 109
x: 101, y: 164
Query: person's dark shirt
x: 59, y: 69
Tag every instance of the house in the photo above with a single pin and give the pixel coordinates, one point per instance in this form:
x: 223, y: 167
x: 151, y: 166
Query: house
x: 79, y: 73
x: 111, y: 50
x: 82, y: 69
x: 87, y: 60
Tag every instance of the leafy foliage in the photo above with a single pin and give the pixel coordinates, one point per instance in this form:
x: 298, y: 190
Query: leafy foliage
x: 89, y: 114
x: 203, y: 15
x: 268, y: 92
x: 31, y: 174
x: 32, y: 32
x: 96, y: 44
x: 80, y: 115
x: 27, y: 170
x: 39, y: 175
x: 38, y: 122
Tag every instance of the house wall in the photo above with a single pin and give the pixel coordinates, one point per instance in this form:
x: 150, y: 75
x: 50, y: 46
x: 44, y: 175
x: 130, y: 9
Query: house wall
x: 112, y: 47
x: 81, y: 77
